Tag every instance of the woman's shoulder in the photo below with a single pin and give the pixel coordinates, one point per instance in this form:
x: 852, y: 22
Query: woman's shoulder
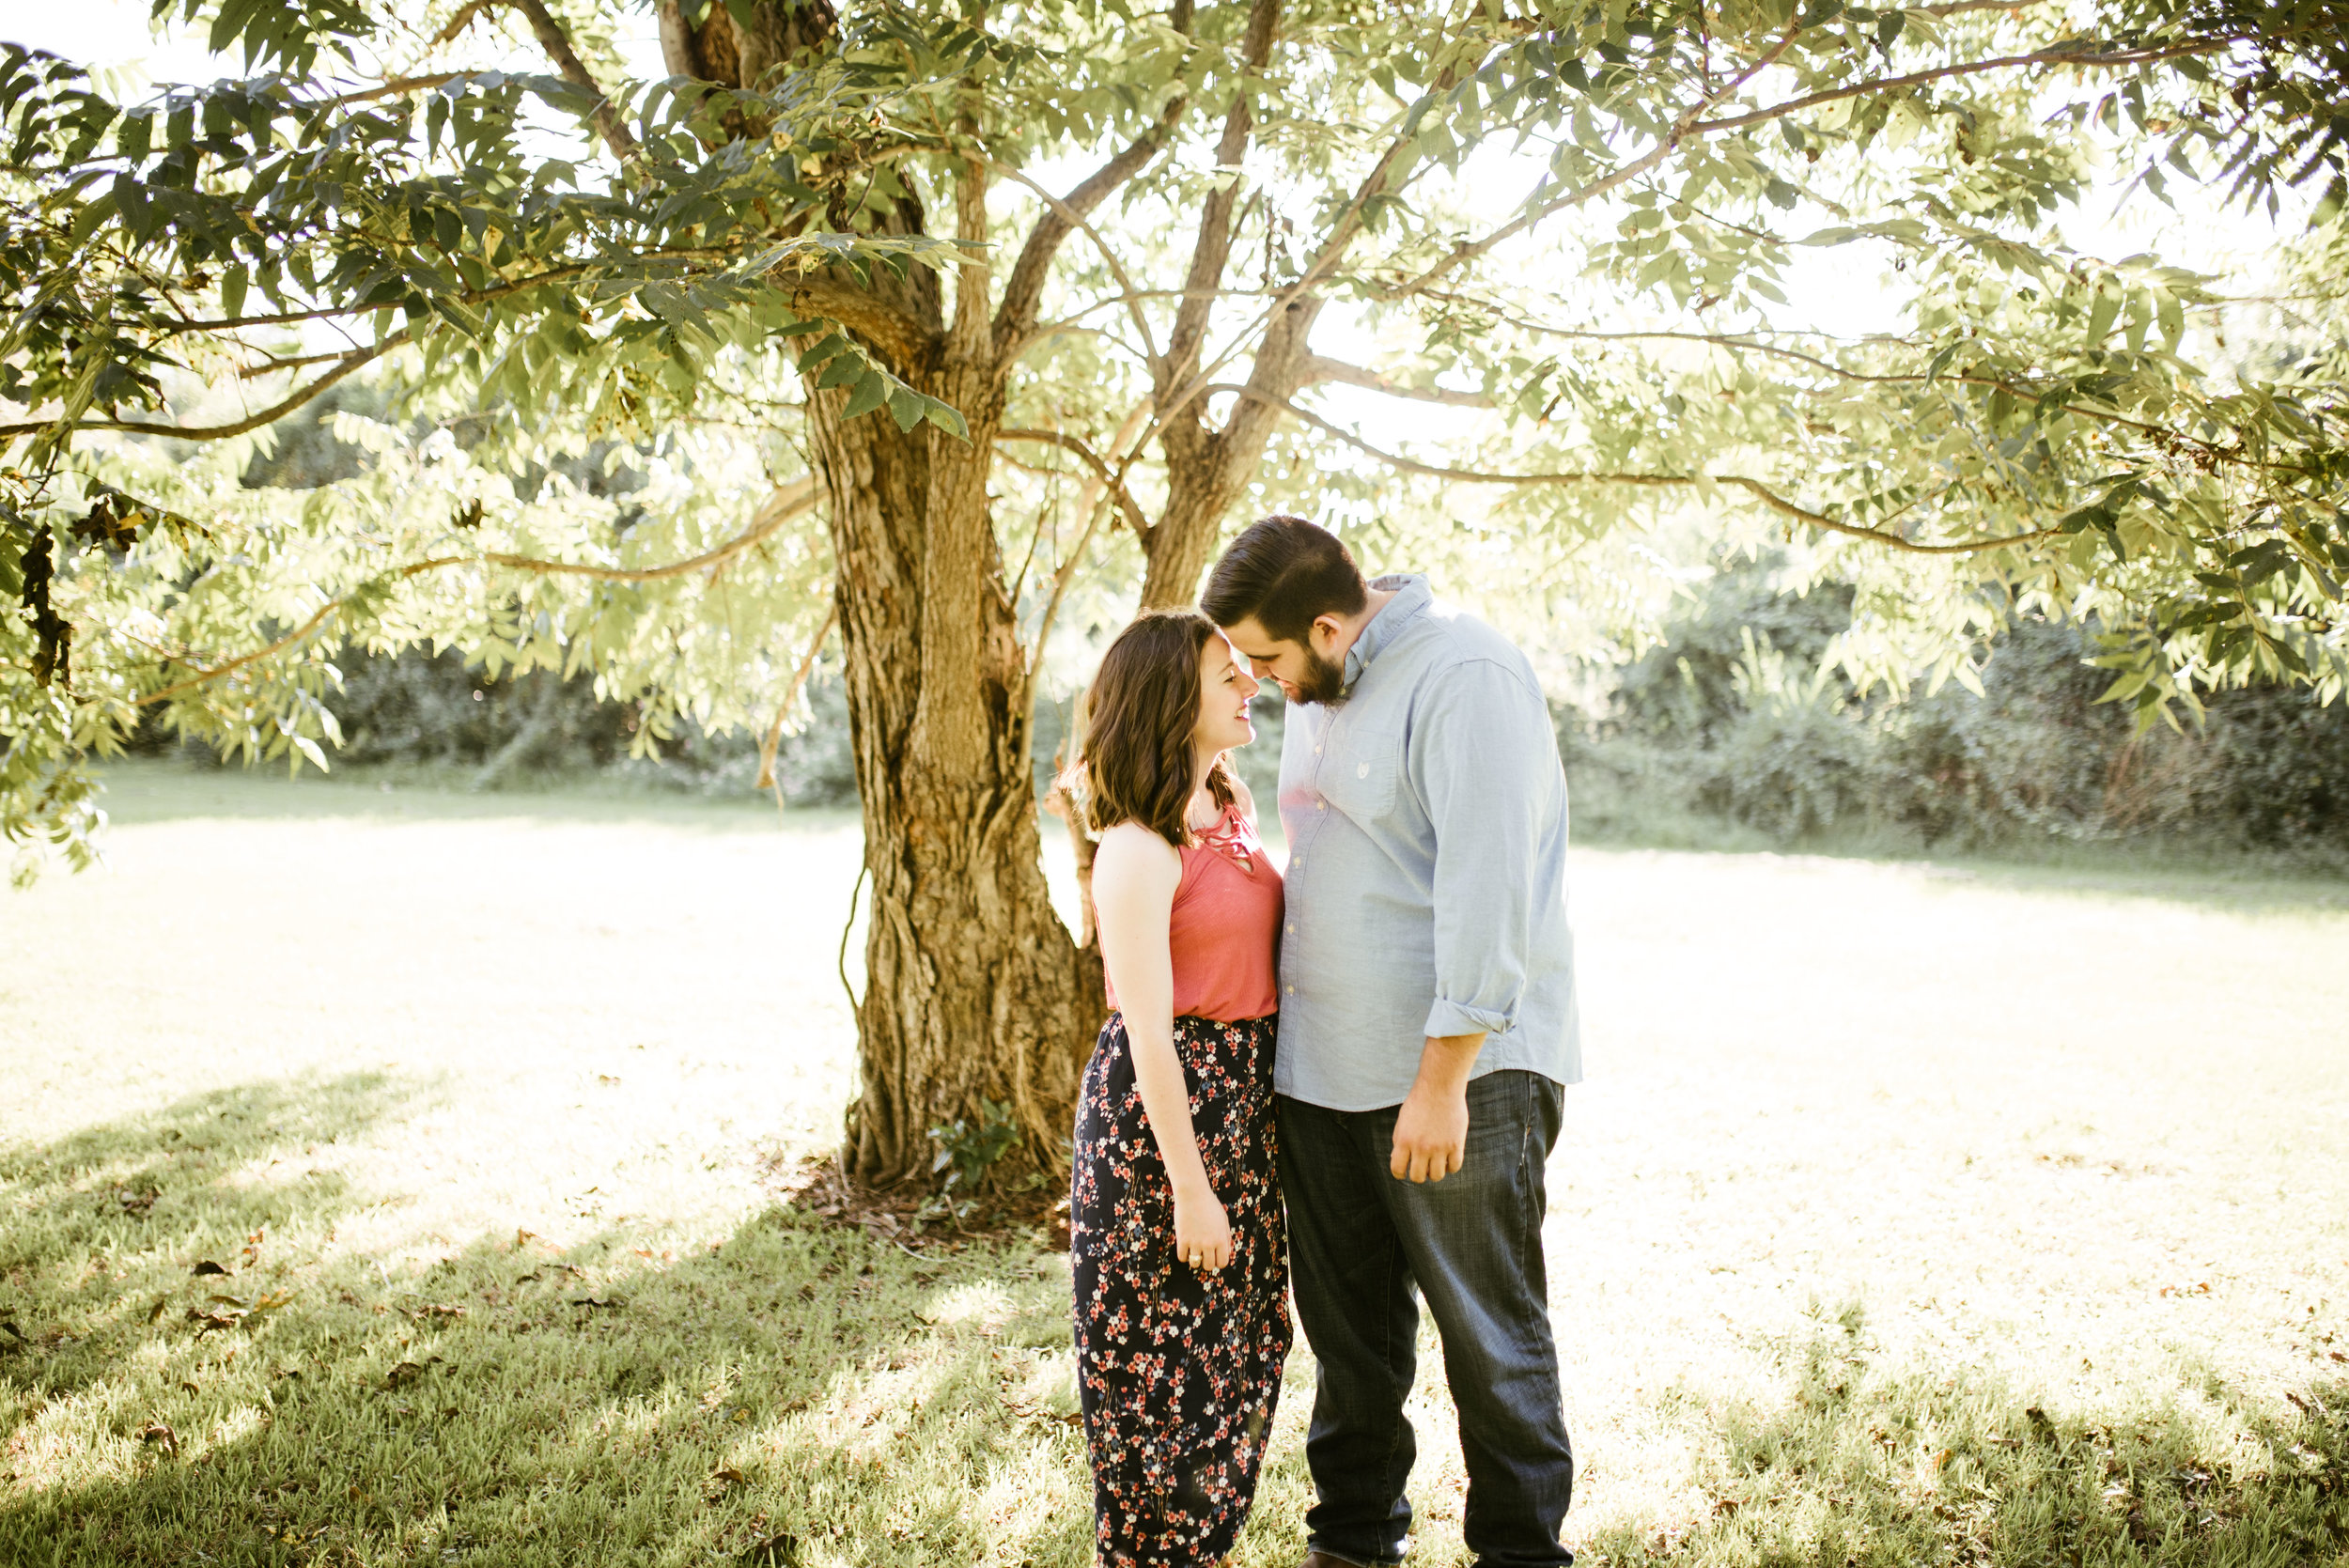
x: 1131, y: 845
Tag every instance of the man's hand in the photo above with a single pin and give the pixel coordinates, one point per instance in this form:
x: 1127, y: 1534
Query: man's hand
x: 1431, y: 1129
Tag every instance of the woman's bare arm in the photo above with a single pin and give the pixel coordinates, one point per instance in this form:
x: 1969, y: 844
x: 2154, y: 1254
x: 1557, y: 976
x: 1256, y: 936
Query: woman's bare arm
x: 1134, y: 878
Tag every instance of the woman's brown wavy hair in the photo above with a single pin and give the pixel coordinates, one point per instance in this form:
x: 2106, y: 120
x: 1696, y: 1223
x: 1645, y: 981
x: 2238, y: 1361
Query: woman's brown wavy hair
x: 1136, y: 760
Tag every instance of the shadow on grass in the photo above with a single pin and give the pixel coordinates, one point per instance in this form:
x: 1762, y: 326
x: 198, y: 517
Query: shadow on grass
x: 107, y: 1225
x: 804, y: 1393
x: 1862, y: 1465
x: 798, y: 1394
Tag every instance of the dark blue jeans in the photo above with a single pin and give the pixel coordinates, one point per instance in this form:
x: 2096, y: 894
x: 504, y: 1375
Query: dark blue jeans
x: 1360, y: 1241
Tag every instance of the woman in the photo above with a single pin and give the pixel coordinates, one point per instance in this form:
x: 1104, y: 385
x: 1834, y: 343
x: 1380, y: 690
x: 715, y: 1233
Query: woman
x: 1174, y: 1216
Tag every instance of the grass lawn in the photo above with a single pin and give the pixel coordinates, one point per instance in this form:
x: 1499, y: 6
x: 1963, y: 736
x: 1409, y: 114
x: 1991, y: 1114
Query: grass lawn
x: 383, y: 1179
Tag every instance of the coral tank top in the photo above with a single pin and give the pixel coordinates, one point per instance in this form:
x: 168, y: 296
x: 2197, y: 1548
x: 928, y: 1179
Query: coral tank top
x: 1223, y: 932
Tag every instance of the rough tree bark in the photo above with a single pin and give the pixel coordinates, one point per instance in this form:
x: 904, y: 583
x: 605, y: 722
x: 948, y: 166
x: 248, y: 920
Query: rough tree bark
x: 974, y: 989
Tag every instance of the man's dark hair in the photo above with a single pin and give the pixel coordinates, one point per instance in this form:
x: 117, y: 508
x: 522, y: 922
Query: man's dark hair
x: 1283, y: 573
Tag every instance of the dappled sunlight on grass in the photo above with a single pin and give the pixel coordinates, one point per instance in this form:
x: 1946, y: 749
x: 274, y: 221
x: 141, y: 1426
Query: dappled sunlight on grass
x: 1907, y: 1217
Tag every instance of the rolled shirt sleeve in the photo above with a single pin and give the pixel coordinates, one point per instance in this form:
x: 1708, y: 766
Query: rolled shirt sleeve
x: 1484, y: 762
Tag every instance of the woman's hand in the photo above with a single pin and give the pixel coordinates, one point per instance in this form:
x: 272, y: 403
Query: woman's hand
x: 1202, y: 1234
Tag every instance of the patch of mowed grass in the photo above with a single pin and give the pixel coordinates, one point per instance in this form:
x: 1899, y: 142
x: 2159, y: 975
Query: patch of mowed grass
x: 794, y: 1386
x: 1862, y: 1461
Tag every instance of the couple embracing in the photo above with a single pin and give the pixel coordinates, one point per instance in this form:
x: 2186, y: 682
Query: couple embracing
x: 1351, y: 1082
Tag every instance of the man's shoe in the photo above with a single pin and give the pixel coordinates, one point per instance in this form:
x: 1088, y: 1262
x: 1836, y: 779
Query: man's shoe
x: 1323, y: 1559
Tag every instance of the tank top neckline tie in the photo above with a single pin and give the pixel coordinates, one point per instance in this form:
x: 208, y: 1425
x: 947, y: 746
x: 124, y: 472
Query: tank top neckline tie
x: 1228, y: 835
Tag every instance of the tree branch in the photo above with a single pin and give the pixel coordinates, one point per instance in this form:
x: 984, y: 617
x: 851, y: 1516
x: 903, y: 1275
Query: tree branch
x: 478, y: 296
x: 1957, y: 378
x: 1064, y: 215
x: 1319, y: 368
x: 1335, y: 243
x: 395, y: 86
x: 2077, y: 57
x: 1668, y: 143
x: 557, y: 43
x: 1131, y: 433
x: 1212, y: 250
x: 1688, y: 125
x: 1127, y: 506
x: 791, y: 695
x: 458, y: 24
x: 350, y: 361
x: 274, y: 364
x: 788, y: 502
x: 1755, y: 488
x: 296, y: 635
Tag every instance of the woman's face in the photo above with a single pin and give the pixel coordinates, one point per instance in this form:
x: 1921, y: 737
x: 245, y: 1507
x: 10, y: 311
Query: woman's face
x: 1224, y: 693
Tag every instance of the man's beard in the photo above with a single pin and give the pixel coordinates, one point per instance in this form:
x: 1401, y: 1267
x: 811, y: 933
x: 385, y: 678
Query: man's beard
x: 1323, y: 682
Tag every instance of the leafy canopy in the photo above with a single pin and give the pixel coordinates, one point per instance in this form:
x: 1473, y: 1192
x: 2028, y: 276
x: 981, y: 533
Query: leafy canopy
x: 588, y: 310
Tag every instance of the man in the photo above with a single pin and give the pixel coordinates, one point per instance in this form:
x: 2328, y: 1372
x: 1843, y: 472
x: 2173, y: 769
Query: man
x: 1427, y: 1029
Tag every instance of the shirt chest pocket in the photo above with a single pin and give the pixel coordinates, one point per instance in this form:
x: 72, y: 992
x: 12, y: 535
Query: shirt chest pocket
x: 1362, y: 772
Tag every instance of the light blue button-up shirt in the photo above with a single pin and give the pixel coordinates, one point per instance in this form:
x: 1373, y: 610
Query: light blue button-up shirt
x: 1426, y: 823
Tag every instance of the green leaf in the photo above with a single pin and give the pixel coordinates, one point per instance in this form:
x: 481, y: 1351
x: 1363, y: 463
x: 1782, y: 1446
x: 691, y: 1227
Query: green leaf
x: 2101, y: 314
x: 825, y: 349
x: 233, y: 283
x: 871, y: 393
x: 947, y: 417
x: 905, y: 406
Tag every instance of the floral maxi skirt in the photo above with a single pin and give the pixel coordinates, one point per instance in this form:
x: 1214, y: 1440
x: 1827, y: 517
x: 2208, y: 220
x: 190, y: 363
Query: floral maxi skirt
x: 1178, y: 1369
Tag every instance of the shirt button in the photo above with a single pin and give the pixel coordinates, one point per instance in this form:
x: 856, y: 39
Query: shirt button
x: 1321, y: 805
x: 1362, y: 769
x: 1292, y: 928
x: 1290, y: 989
x: 1317, y: 750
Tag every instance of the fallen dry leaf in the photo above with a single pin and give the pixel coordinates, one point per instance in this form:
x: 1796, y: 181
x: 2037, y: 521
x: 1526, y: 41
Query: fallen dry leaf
x: 161, y: 1435
x: 408, y: 1372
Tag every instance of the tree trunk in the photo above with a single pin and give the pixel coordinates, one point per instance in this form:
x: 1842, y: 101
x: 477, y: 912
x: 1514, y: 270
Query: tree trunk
x: 974, y: 990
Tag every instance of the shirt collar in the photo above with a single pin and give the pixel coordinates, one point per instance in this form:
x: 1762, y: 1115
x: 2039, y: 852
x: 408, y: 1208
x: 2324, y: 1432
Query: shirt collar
x: 1411, y: 596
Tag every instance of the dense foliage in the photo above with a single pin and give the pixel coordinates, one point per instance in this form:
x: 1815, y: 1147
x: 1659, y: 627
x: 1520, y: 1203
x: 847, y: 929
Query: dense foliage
x: 665, y: 279
x: 1740, y: 714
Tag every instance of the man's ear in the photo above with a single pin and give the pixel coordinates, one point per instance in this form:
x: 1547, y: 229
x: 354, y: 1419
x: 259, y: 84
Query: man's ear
x: 1325, y: 628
